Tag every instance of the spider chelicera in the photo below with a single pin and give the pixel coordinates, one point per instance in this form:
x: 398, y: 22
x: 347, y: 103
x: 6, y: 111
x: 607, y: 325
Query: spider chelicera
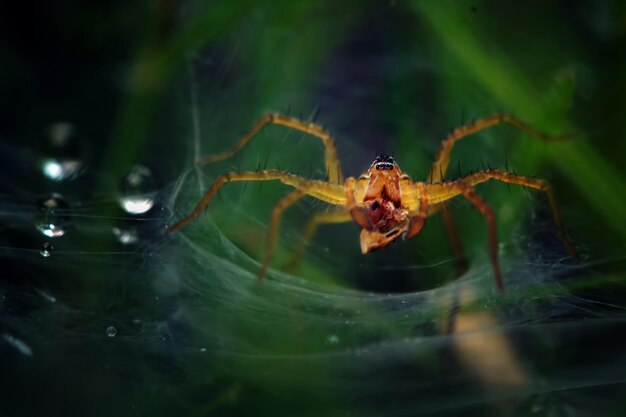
x: 384, y: 202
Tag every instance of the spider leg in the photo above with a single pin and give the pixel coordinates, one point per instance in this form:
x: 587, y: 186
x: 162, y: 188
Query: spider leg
x: 440, y: 166
x: 486, y: 211
x: 323, y: 217
x: 539, y: 184
x: 333, y: 166
x: 419, y: 218
x: 357, y: 212
x: 460, y: 263
x: 447, y: 190
x: 330, y: 193
x: 277, y: 212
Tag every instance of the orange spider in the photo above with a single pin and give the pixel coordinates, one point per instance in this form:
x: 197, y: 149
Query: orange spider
x: 384, y: 202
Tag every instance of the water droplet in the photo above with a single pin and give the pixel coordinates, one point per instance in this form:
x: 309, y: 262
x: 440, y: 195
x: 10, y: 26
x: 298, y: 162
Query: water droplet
x: 46, y: 250
x: 126, y: 236
x: 137, y: 190
x: 64, y: 153
x: 203, y: 349
x: 53, y: 217
x: 111, y: 331
x: 333, y: 339
x: 60, y: 170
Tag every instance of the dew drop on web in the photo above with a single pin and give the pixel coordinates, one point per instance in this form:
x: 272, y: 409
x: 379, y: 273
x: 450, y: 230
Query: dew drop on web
x: 137, y: 190
x: 126, y: 236
x: 46, y: 250
x: 63, y: 155
x: 53, y: 215
x: 111, y: 331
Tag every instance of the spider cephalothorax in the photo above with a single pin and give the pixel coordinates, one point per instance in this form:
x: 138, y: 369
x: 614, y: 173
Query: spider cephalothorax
x: 384, y: 202
x: 387, y: 219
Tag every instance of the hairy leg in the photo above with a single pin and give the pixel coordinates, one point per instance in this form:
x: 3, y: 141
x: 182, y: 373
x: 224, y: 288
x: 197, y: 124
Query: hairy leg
x: 419, y: 218
x: 486, y: 211
x: 330, y: 193
x: 333, y: 166
x: 272, y: 232
x: 324, y: 217
x: 357, y: 213
x: 440, y: 166
x: 445, y: 191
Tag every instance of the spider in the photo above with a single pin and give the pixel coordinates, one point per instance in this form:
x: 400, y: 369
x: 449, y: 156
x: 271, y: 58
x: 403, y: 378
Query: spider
x: 384, y: 202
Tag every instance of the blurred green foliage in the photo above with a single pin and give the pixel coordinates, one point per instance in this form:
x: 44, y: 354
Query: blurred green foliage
x: 284, y: 51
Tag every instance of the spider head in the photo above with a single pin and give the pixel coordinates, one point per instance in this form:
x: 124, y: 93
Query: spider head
x: 383, y: 163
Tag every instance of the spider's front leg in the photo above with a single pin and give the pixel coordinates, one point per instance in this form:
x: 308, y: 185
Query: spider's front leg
x: 442, y: 160
x: 331, y: 160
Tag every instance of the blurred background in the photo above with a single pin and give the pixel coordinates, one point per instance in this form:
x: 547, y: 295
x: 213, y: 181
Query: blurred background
x: 107, y: 107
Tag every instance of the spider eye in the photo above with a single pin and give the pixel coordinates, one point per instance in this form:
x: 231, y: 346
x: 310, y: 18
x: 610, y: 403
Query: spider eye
x: 384, y: 165
x: 384, y: 158
x: 384, y: 162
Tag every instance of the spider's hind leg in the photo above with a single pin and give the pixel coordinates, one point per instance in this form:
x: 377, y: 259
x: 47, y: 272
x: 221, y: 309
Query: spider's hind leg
x: 272, y: 234
x: 486, y: 211
x: 320, y: 218
x: 460, y: 263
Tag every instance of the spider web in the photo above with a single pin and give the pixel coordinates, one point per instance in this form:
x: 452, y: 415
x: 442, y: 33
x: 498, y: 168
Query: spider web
x: 324, y: 341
